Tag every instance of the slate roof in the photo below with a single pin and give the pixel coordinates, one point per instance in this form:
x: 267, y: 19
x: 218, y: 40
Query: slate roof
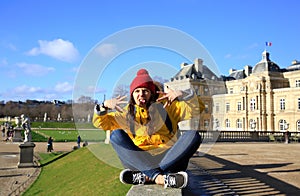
x: 189, y: 71
x: 266, y: 64
x: 294, y: 66
x: 240, y: 74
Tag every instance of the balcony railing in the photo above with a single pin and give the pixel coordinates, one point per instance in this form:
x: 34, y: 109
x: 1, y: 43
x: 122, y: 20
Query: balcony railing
x: 247, y: 136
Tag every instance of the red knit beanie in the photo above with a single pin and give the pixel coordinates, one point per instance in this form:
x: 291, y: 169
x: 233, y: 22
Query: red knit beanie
x: 142, y: 80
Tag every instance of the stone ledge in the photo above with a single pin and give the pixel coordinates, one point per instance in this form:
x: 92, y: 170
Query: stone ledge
x: 196, y: 186
x: 152, y: 189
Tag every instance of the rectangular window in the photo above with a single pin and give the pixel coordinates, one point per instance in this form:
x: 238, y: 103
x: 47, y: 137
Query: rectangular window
x: 252, y: 104
x: 239, y: 124
x: 206, y: 124
x: 206, y: 108
x: 282, y: 104
x: 217, y: 107
x: 231, y: 91
x: 239, y: 106
x: 297, y: 83
x: 298, y: 103
x: 206, y: 91
x: 227, y: 107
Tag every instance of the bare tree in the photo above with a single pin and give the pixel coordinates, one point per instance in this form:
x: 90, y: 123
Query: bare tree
x: 121, y: 90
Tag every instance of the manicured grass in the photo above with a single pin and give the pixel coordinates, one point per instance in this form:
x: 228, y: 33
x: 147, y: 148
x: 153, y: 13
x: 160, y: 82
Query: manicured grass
x: 69, y: 125
x: 79, y: 173
x: 53, y: 125
x: 61, y: 135
x: 46, y: 158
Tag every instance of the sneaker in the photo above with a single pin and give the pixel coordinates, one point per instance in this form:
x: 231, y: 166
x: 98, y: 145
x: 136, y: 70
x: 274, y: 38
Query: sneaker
x: 128, y: 176
x: 176, y: 180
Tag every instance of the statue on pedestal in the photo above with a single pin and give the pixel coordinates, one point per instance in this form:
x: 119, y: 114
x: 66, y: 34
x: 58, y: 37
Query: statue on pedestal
x: 17, y: 136
x: 26, y: 127
x: 26, y: 148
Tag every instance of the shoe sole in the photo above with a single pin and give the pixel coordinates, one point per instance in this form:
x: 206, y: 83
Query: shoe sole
x: 186, y: 177
x: 121, y: 175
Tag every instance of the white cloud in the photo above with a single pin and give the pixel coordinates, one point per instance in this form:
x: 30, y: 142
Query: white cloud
x: 61, y: 91
x: 34, y: 69
x: 59, y: 49
x: 26, y: 90
x: 106, y: 50
x: 63, y: 87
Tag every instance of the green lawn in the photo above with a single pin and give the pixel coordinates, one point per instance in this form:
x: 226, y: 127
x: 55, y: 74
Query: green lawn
x: 69, y: 135
x: 79, y: 173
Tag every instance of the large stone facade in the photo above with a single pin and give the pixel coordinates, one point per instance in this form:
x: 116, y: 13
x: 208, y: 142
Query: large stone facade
x: 265, y: 98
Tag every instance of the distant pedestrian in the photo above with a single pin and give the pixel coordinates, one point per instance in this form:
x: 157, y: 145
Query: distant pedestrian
x: 50, y: 144
x: 9, y: 135
x: 78, y: 141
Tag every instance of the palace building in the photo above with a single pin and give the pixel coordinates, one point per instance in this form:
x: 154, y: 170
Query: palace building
x: 260, y: 98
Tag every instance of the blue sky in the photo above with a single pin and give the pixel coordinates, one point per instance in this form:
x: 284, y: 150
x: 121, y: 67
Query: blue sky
x: 44, y: 44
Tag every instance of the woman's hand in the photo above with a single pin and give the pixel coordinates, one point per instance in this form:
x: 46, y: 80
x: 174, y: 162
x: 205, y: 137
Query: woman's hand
x: 169, y: 96
x: 114, y: 103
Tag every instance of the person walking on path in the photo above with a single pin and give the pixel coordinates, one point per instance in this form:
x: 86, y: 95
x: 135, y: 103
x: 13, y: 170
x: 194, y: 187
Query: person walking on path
x: 50, y: 144
x: 144, y: 132
x: 78, y: 141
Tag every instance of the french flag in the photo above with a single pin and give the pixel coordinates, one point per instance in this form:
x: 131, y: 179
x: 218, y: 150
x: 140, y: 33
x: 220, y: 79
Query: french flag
x: 268, y: 43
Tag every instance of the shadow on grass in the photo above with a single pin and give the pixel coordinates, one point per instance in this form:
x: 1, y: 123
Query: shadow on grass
x: 57, y: 157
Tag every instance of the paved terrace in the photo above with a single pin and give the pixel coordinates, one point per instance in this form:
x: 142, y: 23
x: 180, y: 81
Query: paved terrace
x: 226, y: 169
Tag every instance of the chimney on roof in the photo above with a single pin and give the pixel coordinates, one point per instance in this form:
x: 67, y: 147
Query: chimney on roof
x: 198, y: 63
x: 248, y: 70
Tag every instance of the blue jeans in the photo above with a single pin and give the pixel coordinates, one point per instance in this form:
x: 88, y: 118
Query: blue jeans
x: 172, y: 160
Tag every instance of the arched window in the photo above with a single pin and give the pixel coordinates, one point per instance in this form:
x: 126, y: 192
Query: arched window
x: 227, y: 123
x: 239, y: 124
x: 283, y: 125
x: 216, y: 124
x: 252, y: 124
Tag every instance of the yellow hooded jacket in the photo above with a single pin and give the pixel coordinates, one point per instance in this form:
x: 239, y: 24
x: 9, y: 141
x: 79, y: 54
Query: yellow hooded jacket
x: 151, y: 128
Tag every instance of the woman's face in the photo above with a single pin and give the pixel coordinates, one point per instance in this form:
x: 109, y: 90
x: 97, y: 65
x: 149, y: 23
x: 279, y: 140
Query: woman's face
x: 141, y: 96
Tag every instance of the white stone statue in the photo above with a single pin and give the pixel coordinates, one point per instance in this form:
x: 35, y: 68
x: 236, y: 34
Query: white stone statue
x: 89, y: 118
x: 45, y: 117
x: 18, y: 121
x: 26, y: 127
x: 58, y: 117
